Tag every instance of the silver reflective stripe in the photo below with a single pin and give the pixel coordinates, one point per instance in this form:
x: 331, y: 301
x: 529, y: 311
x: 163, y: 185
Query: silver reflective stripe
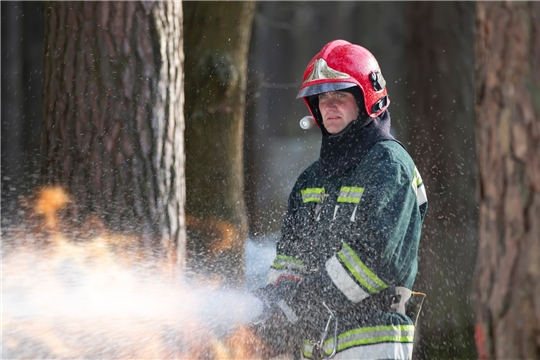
x: 421, y: 195
x: 285, y: 265
x: 343, y: 281
x: 288, y: 262
x: 289, y: 313
x: 398, y: 351
x: 378, y: 342
x: 350, y: 194
x: 419, y: 188
x: 312, y: 194
x: 360, y: 271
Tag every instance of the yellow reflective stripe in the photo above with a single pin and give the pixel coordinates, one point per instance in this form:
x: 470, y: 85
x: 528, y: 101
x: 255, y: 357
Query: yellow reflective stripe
x: 366, y: 336
x: 417, y: 179
x: 361, y: 269
x: 375, y: 334
x: 312, y: 194
x: 287, y: 262
x: 350, y: 194
x: 290, y: 259
x: 307, y: 349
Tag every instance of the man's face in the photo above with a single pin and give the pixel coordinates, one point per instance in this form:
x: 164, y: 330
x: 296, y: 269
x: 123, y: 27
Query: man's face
x: 338, y: 109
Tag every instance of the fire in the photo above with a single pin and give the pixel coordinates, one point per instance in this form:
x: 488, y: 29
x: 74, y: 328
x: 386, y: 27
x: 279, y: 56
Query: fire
x: 102, y: 297
x: 49, y: 201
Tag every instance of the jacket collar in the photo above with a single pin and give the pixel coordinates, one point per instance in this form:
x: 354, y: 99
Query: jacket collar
x: 345, y: 150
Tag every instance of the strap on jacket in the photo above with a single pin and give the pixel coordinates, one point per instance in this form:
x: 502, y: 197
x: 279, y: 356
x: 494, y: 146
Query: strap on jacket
x: 399, y: 296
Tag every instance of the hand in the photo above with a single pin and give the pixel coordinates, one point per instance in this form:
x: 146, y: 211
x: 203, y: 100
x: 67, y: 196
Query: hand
x: 306, y: 302
x: 272, y: 326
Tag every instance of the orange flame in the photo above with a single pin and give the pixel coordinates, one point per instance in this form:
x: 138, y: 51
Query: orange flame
x: 49, y: 200
x: 98, y: 272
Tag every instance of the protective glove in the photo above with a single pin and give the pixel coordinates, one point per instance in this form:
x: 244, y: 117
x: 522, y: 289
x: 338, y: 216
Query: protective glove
x: 268, y: 297
x: 302, y: 305
x: 272, y: 325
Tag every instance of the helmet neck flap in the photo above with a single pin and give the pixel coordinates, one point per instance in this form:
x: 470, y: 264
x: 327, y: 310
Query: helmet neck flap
x: 341, y: 152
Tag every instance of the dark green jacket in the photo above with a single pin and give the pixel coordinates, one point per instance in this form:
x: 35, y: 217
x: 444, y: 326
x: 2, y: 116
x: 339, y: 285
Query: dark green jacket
x: 359, y: 232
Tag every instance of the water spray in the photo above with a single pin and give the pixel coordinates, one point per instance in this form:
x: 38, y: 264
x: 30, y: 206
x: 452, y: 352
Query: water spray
x: 100, y: 297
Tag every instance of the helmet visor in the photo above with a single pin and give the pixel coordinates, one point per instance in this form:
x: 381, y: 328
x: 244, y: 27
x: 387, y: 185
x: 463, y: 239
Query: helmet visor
x: 324, y: 87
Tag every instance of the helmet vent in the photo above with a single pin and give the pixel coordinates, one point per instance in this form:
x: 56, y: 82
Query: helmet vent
x: 377, y: 80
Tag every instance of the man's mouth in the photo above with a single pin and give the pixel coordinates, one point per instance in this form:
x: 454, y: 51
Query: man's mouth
x: 334, y: 117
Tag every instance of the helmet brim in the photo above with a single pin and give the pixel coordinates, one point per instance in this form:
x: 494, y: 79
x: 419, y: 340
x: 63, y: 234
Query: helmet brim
x: 322, y: 88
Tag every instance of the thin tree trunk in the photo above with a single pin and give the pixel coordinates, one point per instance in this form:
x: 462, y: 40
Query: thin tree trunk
x: 217, y: 37
x: 113, y: 124
x: 508, y: 139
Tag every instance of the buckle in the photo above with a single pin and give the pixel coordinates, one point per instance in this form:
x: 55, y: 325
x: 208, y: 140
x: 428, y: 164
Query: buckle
x: 318, y: 349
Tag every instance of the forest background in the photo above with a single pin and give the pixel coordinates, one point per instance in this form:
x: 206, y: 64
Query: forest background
x: 469, y: 121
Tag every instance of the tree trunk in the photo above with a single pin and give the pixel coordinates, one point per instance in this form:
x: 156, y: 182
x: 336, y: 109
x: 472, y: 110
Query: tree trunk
x: 439, y: 133
x: 216, y: 43
x: 508, y: 138
x: 113, y: 124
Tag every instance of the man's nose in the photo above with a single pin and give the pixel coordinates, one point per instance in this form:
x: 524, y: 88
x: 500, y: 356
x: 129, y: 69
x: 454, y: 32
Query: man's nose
x: 331, y: 102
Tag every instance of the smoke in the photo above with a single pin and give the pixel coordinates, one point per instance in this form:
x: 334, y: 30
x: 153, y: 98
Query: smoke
x: 69, y: 303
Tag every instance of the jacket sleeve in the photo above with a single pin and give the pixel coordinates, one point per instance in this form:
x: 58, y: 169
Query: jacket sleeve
x: 288, y: 261
x: 381, y: 248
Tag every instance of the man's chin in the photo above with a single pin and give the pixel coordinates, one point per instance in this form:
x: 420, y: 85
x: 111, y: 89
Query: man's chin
x: 333, y: 129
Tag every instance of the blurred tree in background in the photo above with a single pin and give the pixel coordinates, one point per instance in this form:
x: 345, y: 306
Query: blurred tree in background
x: 508, y: 142
x: 113, y: 124
x: 217, y: 38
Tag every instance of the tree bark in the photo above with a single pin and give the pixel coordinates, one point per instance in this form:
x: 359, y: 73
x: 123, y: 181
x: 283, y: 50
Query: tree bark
x: 113, y: 122
x: 217, y: 38
x: 508, y: 145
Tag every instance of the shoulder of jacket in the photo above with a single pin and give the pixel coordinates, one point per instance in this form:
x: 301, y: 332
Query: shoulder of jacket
x: 390, y: 151
x: 308, y: 173
x: 310, y: 170
x: 388, y: 154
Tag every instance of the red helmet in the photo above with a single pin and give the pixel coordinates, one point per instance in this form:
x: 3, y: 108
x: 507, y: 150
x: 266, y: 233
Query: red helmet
x: 341, y: 65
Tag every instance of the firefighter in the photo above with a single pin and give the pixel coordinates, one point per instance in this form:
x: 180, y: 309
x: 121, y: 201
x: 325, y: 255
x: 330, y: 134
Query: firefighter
x: 341, y: 283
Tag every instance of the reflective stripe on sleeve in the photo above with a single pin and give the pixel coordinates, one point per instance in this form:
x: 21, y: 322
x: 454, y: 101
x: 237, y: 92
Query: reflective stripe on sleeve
x: 343, y: 281
x: 285, y: 265
x: 350, y: 194
x: 312, y: 194
x: 378, y: 342
x: 289, y: 262
x: 359, y: 271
